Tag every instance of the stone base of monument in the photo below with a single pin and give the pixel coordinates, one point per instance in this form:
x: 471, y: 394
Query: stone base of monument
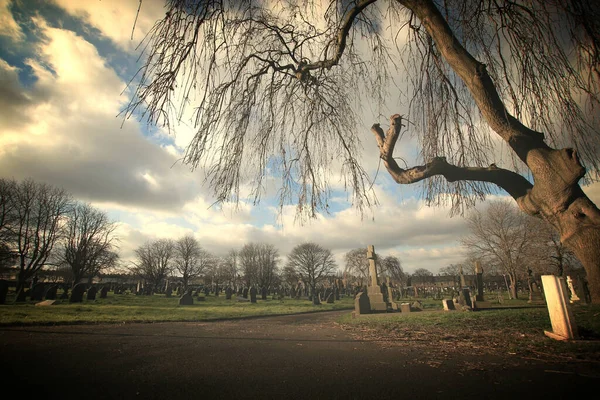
x: 481, y: 305
x: 405, y: 307
x: 376, y: 298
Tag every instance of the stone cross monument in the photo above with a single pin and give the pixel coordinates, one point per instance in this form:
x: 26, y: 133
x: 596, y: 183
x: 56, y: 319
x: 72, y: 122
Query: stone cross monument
x: 373, y: 290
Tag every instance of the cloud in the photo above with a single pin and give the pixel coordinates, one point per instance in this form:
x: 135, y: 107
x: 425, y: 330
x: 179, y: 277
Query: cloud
x: 8, y: 25
x: 116, y: 18
x: 64, y: 130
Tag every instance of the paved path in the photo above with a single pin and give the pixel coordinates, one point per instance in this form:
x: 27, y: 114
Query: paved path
x: 289, y: 357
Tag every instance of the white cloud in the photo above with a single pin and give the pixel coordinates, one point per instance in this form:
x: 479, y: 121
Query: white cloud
x: 64, y: 130
x: 116, y: 18
x: 8, y: 25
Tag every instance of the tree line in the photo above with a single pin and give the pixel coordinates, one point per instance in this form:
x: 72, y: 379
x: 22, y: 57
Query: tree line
x: 43, y: 226
x: 510, y: 243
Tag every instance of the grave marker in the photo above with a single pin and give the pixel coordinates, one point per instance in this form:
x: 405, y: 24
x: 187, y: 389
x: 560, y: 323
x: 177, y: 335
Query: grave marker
x: 362, y: 304
x: 91, y: 293
x: 77, y: 293
x: 187, y: 299
x: 373, y: 290
x: 559, y: 308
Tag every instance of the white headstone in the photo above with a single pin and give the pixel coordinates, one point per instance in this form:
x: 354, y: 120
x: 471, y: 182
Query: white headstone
x: 559, y: 308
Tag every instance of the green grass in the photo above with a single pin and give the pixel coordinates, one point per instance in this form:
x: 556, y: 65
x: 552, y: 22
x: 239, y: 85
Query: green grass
x: 157, y: 308
x: 518, y: 329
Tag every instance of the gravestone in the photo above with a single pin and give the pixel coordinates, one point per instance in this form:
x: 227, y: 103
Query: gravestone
x: 465, y: 297
x: 206, y: 291
x: 336, y: 291
x: 559, y: 308
x: 228, y: 293
x: 45, y: 303
x: 187, y: 299
x: 253, y: 293
x: 245, y: 293
x: 479, y: 281
x: 373, y: 290
x: 574, y: 296
x: 535, y: 295
x: 405, y: 307
x: 77, y: 293
x: 330, y: 298
x: 91, y: 293
x: 263, y: 293
x: 51, y: 292
x: 362, y: 304
x: 416, y: 306
x: 448, y: 305
x: 169, y: 292
x: 65, y: 293
x: 37, y: 292
x: 3, y: 290
x: 241, y: 299
x: 390, y: 296
x: 104, y: 292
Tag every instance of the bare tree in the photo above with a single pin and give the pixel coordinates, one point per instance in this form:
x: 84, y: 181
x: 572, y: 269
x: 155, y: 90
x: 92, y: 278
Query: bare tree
x: 313, y: 263
x: 357, y: 265
x: 39, y: 211
x: 230, y: 265
x: 258, y: 264
x: 155, y: 261
x: 392, y: 267
x: 274, y: 84
x: 501, y: 235
x: 190, y: 259
x: 89, y: 242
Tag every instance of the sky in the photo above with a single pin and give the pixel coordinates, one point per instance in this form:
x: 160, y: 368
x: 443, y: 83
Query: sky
x: 64, y: 69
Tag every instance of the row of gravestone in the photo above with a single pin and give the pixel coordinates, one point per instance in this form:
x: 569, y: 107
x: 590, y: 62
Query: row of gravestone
x: 41, y: 291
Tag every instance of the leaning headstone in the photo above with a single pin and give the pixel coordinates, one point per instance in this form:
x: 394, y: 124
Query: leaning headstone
x: 187, y: 299
x: 416, y: 306
x: 373, y: 290
x: 362, y: 304
x: 77, y: 293
x: 559, y: 308
x: 3, y: 290
x: 465, y: 297
x: 104, y: 292
x: 91, y: 293
x: 51, y: 292
x: 37, y: 292
x: 253, y: 292
x: 448, y: 305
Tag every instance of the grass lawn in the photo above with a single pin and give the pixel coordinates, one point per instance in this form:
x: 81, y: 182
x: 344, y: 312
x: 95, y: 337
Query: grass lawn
x: 130, y: 308
x: 516, y: 327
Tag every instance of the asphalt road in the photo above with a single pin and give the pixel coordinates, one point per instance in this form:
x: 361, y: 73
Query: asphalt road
x: 289, y: 357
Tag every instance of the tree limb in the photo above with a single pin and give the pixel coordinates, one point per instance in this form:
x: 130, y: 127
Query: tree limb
x: 516, y: 185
